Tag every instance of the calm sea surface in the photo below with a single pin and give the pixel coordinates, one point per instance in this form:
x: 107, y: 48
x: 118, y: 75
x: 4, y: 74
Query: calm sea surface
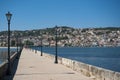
x: 2, y: 53
x: 105, y: 57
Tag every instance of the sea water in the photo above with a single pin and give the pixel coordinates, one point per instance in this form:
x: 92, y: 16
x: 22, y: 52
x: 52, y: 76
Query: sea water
x: 105, y: 57
x: 4, y: 51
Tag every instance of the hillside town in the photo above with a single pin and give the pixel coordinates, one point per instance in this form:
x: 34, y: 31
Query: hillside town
x: 66, y: 37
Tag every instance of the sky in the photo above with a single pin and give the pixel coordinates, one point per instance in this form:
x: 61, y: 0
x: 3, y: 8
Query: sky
x: 39, y: 14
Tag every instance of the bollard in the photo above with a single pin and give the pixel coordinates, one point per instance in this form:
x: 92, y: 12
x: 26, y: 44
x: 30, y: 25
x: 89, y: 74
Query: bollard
x: 35, y: 51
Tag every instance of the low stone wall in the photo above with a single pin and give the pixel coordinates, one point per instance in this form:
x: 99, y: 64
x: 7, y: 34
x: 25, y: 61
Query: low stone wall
x: 4, y: 65
x: 96, y: 73
x: 13, y: 57
x: 3, y: 69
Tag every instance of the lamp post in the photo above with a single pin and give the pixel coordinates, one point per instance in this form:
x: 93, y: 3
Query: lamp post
x: 49, y: 38
x: 56, y: 55
x: 17, y: 43
x: 41, y: 45
x: 8, y: 16
x: 17, y: 47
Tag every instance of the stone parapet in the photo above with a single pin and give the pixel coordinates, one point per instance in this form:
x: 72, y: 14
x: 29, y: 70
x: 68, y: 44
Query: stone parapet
x: 96, y: 73
x: 4, y: 65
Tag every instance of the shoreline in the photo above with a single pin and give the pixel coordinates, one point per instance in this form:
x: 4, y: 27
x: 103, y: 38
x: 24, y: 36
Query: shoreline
x: 7, y: 47
x: 81, y: 46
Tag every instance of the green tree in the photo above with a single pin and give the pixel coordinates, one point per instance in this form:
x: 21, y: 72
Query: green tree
x: 27, y: 42
x: 12, y: 42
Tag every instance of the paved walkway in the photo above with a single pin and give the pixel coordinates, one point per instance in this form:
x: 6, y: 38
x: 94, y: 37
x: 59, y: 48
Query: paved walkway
x: 32, y: 66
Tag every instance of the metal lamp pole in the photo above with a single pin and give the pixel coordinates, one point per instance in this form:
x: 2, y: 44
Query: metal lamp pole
x: 41, y: 45
x: 56, y: 55
x: 17, y: 47
x: 9, y: 15
x: 17, y: 44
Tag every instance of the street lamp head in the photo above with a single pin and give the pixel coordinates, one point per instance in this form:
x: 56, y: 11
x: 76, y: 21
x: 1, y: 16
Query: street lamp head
x: 8, y: 16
